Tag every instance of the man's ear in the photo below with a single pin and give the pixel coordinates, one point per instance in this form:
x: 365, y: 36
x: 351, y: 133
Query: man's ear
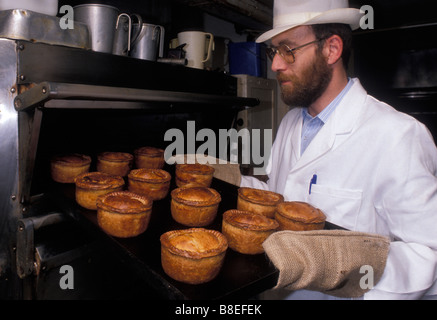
x: 333, y: 49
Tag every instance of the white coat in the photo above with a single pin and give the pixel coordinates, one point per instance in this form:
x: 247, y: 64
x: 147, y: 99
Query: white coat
x: 376, y: 172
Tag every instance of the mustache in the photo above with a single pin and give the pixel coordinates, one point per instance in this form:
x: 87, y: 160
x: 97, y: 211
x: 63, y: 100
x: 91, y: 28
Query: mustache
x: 280, y: 77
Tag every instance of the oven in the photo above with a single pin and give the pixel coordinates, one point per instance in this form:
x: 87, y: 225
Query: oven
x: 398, y: 65
x: 56, y: 97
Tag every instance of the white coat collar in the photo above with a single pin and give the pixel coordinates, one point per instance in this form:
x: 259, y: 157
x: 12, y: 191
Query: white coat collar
x: 341, y: 122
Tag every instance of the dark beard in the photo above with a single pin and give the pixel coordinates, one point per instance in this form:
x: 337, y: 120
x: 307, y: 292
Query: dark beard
x: 311, y: 84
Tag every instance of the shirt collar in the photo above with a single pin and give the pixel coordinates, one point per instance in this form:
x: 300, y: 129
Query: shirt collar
x: 329, y: 109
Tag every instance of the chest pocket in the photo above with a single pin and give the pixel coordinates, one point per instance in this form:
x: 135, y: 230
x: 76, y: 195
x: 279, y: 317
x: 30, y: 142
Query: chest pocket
x: 341, y: 206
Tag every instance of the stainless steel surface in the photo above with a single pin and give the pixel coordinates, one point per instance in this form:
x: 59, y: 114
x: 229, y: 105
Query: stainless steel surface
x: 10, y: 206
x: 182, y: 62
x: 46, y: 91
x: 28, y: 144
x: 19, y: 24
x: 124, y: 35
x: 101, y: 21
x: 9, y: 195
x: 49, y: 7
x: 264, y: 116
x: 149, y: 45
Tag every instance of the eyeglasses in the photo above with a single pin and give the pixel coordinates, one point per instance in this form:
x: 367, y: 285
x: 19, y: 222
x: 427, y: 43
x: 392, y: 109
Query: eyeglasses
x: 286, y: 53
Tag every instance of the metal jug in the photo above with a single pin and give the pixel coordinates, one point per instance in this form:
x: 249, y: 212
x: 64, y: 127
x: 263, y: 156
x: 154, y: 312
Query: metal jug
x: 101, y: 20
x: 124, y: 35
x: 149, y: 45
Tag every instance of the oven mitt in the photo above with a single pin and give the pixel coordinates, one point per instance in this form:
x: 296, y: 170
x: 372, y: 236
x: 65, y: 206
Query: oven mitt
x: 228, y: 172
x: 328, y: 261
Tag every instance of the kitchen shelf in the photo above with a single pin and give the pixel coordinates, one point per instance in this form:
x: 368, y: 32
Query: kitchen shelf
x: 79, y: 96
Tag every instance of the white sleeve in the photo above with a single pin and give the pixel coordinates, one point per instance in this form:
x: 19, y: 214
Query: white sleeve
x: 409, y: 208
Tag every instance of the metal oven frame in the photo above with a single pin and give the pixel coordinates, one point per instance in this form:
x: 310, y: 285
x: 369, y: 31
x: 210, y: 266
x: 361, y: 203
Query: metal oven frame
x: 36, y: 77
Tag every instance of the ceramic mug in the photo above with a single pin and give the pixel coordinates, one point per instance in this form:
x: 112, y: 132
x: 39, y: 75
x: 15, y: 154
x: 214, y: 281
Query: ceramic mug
x: 197, y: 47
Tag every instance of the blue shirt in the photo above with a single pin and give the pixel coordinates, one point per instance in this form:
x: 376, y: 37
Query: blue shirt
x: 312, y: 125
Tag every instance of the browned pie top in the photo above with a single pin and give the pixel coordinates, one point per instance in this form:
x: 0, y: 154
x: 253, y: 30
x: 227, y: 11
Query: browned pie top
x: 150, y: 175
x: 300, y: 211
x: 149, y: 151
x: 250, y: 221
x: 196, y: 168
x: 124, y: 202
x: 72, y: 159
x: 98, y: 180
x: 196, y: 196
x: 194, y: 243
x: 258, y: 196
x: 115, y: 156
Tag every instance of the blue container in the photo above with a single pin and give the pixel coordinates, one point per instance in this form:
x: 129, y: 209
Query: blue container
x: 248, y: 58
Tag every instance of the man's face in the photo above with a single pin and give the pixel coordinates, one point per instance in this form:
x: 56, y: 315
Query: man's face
x: 304, y: 81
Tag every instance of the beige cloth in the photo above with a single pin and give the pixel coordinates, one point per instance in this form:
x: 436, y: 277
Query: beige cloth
x: 328, y: 261
x: 224, y: 170
x: 229, y: 173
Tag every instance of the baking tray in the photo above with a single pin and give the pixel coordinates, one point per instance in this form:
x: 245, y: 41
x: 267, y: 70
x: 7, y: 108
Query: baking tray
x: 20, y: 24
x: 241, y: 277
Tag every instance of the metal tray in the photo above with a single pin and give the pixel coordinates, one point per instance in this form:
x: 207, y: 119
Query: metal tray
x: 241, y: 277
x: 20, y: 24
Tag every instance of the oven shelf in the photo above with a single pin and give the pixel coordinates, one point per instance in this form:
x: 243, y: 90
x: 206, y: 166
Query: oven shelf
x: 82, y: 96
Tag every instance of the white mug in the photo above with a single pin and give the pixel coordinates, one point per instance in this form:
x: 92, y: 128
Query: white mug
x: 196, y: 47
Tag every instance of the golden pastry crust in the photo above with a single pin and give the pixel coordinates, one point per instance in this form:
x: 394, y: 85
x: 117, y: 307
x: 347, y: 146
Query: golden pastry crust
x: 194, y: 207
x: 249, y: 221
x: 193, y: 175
x: 123, y: 214
x: 116, y: 163
x: 246, y: 231
x: 98, y: 180
x: 91, y: 185
x: 299, y: 216
x: 196, y: 196
x: 193, y: 255
x: 258, y: 201
x: 65, y: 168
x: 149, y: 157
x: 124, y: 202
x: 154, y: 183
x: 194, y: 243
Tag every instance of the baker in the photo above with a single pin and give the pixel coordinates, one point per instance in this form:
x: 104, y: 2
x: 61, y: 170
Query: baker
x: 368, y: 167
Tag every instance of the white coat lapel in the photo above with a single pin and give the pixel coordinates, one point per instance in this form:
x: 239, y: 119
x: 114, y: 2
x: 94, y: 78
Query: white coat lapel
x: 296, y: 140
x: 341, y: 122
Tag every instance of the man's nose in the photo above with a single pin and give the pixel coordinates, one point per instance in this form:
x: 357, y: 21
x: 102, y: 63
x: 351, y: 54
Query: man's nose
x: 278, y: 63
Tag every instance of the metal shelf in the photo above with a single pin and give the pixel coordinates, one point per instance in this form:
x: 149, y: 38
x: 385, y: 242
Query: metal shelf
x: 50, y: 93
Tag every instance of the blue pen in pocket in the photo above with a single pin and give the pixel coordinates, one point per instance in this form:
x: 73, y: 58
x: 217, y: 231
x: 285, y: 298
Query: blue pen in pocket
x: 312, y: 181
